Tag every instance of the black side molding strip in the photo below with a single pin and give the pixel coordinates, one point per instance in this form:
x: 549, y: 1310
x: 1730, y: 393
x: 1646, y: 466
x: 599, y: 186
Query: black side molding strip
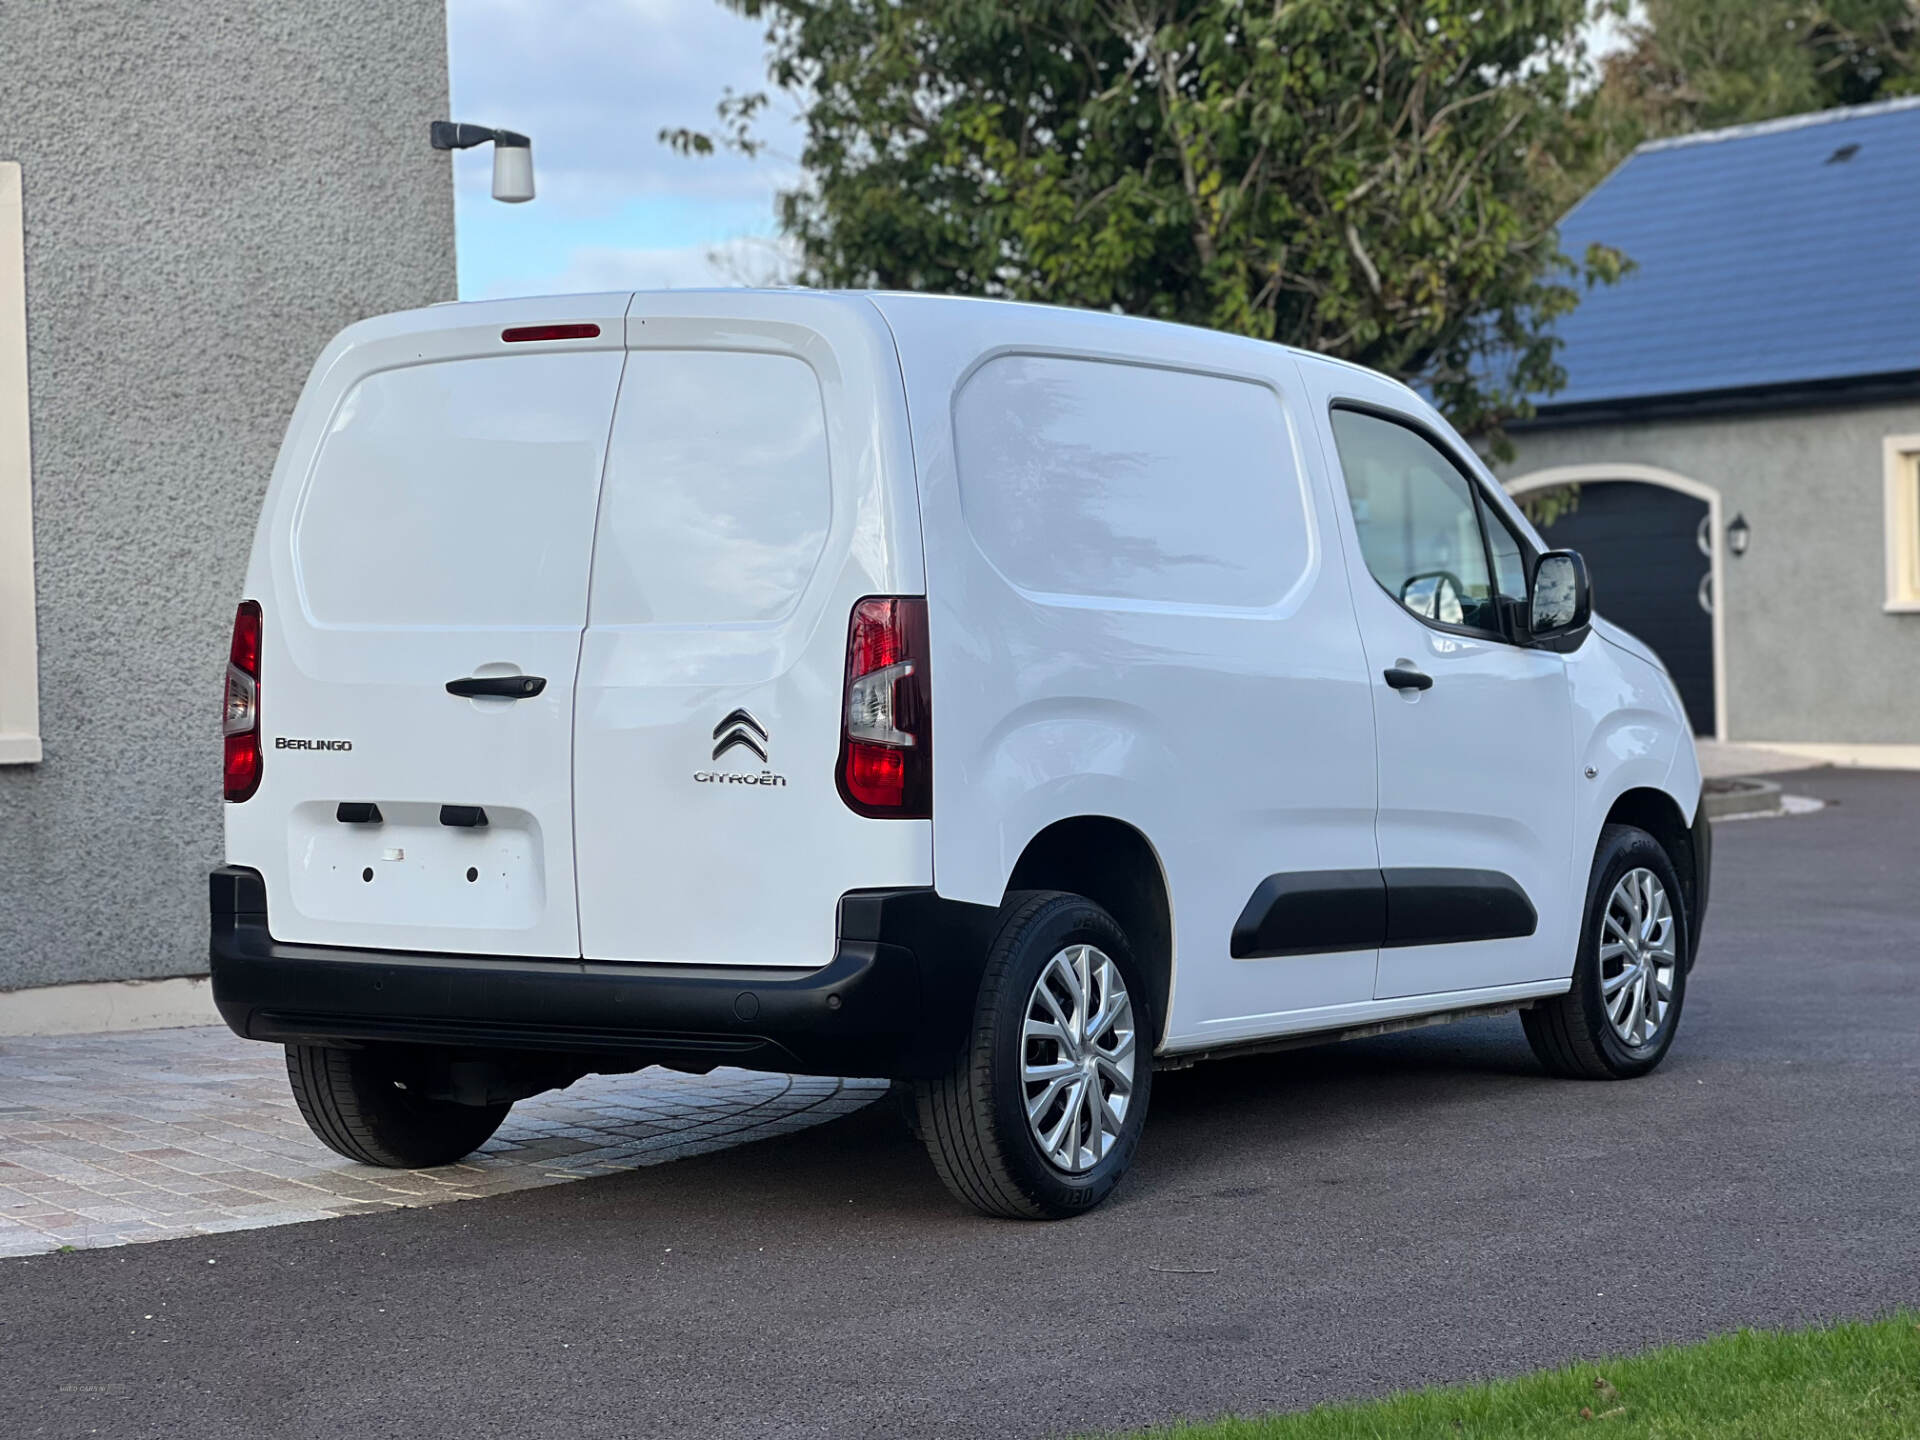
x: 1317, y: 912
x: 1446, y: 907
x: 1312, y: 912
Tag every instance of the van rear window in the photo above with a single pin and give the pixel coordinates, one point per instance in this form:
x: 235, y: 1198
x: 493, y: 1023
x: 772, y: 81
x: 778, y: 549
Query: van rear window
x: 459, y: 493
x: 718, y: 495
x: 1099, y: 479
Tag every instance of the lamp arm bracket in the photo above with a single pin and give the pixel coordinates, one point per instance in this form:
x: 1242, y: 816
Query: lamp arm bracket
x: 451, y: 135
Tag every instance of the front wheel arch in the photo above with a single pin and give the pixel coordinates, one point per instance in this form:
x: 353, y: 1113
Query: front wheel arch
x: 1660, y: 815
x: 1574, y: 1034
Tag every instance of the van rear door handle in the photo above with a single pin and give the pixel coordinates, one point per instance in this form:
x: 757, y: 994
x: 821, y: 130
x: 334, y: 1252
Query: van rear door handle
x: 1402, y: 677
x: 500, y: 687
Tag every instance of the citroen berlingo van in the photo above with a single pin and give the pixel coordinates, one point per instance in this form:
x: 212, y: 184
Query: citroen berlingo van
x: 1006, y: 700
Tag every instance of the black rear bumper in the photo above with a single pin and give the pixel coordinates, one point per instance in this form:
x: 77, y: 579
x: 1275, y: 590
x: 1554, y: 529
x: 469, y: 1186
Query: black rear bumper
x: 893, y: 1001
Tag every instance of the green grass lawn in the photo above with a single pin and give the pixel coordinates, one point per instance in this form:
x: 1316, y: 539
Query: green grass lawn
x: 1844, y: 1381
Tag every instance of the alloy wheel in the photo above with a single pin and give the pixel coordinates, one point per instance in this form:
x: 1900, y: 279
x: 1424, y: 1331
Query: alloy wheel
x: 1639, y: 956
x: 1077, y: 1058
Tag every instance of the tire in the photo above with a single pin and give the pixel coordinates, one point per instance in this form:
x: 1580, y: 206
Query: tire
x: 974, y: 1119
x: 1575, y: 1035
x: 353, y: 1102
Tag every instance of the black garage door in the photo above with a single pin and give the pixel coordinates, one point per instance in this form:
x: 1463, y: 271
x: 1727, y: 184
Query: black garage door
x: 1644, y: 547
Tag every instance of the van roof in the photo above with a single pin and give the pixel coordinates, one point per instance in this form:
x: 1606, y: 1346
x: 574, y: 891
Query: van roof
x: 971, y: 302
x: 1136, y: 328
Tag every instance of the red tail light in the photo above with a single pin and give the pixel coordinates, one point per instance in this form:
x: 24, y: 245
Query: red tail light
x: 886, y: 744
x: 241, y: 721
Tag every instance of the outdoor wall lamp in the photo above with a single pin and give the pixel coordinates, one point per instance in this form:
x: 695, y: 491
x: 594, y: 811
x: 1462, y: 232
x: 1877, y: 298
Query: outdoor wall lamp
x: 1738, y: 534
x: 512, y: 156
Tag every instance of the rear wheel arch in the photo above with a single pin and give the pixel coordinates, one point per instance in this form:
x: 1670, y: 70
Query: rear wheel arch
x: 1113, y: 864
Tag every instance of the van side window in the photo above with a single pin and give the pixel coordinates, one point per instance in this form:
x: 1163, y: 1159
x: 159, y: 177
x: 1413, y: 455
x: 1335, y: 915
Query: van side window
x: 1418, y: 521
x: 1134, y: 482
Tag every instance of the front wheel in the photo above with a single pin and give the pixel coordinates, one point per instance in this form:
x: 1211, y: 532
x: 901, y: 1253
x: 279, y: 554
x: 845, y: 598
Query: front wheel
x: 357, y: 1103
x: 1630, y: 977
x: 1040, y: 1113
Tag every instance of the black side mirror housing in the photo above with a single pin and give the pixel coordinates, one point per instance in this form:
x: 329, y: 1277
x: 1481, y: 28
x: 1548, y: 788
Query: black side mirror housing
x: 1560, y: 600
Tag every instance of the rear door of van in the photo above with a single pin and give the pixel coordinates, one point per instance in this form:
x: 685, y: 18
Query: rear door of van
x: 422, y: 570
x: 759, y: 484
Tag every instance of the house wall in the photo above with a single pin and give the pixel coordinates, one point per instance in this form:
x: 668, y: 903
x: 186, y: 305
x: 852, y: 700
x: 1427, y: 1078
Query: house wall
x: 210, y: 192
x: 1811, y: 653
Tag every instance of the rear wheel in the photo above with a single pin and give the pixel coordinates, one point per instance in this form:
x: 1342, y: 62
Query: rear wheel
x: 1630, y: 977
x: 1040, y: 1113
x: 358, y: 1105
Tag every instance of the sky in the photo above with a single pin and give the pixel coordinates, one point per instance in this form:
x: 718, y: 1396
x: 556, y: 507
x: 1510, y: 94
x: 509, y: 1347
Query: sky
x: 593, y: 82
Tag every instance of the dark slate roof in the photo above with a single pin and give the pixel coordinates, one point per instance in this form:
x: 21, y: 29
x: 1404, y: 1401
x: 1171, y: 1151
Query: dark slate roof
x: 1765, y: 260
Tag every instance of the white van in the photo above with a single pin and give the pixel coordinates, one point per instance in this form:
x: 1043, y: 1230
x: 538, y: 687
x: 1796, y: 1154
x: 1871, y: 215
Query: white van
x: 1001, y: 699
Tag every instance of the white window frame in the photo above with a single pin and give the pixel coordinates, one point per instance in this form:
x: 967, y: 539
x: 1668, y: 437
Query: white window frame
x: 19, y: 649
x: 1903, y: 524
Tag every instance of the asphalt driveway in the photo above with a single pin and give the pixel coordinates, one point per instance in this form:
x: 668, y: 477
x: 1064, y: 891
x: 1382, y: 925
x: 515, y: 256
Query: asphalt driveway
x: 1330, y: 1223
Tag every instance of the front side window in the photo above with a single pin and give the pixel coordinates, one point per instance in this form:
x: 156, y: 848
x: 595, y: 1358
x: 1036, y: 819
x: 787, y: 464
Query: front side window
x: 1418, y: 523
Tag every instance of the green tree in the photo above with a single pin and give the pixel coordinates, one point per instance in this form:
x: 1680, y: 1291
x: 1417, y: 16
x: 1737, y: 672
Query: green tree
x: 1372, y: 179
x: 1699, y: 64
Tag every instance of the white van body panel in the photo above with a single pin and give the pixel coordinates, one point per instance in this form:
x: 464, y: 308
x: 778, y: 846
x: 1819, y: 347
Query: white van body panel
x: 430, y: 518
x: 770, y: 430
x: 1223, y: 713
x: 1630, y: 731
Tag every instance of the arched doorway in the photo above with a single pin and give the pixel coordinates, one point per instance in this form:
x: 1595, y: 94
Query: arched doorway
x: 1651, y: 539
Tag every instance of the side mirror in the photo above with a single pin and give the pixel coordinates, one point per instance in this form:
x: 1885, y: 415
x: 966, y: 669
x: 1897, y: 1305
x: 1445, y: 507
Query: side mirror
x: 1561, y: 600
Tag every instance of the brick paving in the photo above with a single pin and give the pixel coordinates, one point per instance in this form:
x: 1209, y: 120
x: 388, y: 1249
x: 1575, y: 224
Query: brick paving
x: 119, y: 1138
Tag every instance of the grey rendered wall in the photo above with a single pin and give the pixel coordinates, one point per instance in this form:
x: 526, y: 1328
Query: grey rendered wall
x: 1811, y: 654
x: 211, y: 191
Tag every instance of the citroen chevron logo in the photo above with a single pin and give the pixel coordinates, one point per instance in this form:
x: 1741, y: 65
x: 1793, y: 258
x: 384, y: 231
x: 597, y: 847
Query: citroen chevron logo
x: 740, y: 728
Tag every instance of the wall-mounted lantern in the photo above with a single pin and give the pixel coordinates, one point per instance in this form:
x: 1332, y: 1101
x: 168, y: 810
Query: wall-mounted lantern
x: 1739, y: 533
x: 512, y: 156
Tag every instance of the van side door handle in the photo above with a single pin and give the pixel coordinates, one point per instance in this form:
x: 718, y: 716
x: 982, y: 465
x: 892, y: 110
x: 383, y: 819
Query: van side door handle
x: 1402, y: 677
x: 499, y: 687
